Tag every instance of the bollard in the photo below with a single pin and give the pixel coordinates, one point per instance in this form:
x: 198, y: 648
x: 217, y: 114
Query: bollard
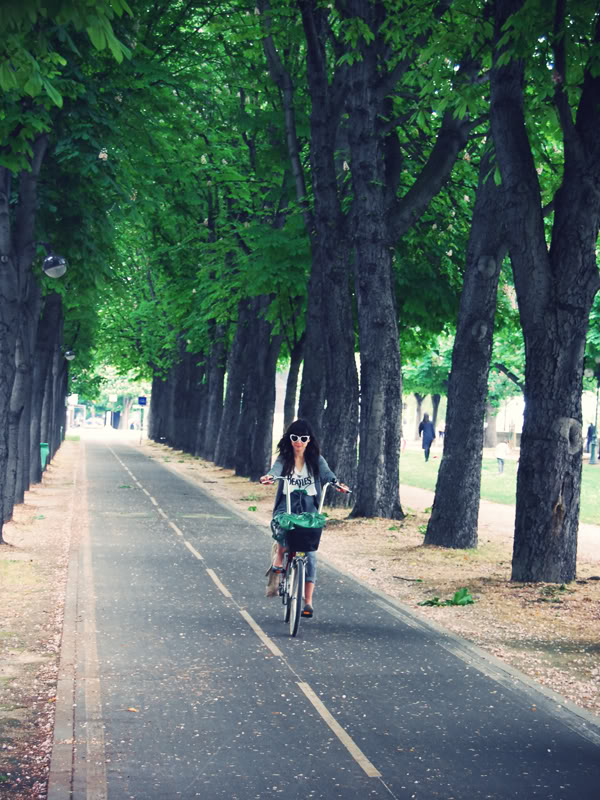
x: 593, y: 460
x: 44, y: 450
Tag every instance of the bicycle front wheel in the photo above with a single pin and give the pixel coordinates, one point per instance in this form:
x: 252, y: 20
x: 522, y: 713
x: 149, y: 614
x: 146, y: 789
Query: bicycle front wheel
x: 286, y: 594
x: 297, y: 595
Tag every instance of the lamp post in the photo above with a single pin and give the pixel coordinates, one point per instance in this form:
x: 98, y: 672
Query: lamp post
x: 69, y: 355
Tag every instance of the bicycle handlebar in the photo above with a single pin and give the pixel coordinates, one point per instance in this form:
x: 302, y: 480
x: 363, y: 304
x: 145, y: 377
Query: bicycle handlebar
x: 288, y: 501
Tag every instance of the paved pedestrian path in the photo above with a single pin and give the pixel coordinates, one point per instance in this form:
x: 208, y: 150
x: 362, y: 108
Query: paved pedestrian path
x: 179, y: 679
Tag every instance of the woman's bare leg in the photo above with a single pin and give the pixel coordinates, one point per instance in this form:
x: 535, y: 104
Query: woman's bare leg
x: 309, y: 588
x: 279, y: 556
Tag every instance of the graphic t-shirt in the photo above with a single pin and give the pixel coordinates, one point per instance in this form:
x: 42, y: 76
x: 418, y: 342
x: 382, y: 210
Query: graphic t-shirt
x: 302, y: 480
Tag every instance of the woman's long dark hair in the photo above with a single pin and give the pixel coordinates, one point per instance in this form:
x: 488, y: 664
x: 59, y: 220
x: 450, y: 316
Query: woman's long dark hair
x: 301, y: 427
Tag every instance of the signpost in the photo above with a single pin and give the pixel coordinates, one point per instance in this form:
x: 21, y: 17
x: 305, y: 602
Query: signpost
x: 142, y: 401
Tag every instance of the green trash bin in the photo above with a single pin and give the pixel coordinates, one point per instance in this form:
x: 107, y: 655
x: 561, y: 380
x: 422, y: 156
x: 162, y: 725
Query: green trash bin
x: 44, y: 450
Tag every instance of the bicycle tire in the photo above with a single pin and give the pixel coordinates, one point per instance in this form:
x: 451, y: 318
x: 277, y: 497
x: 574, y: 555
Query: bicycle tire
x: 296, y: 596
x: 286, y: 598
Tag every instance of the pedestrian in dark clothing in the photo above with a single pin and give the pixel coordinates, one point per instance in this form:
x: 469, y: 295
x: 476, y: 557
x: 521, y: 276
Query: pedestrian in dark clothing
x: 427, y: 434
x: 591, y: 431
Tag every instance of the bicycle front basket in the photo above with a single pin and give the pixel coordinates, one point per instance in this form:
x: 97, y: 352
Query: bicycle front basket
x: 306, y: 519
x: 303, y: 540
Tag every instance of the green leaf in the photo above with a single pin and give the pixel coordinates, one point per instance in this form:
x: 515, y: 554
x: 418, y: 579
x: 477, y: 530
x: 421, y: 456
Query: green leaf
x: 7, y: 77
x: 461, y: 598
x: 52, y: 93
x: 97, y: 36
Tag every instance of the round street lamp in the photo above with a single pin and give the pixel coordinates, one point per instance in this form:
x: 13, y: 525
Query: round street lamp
x: 54, y: 266
x: 69, y: 355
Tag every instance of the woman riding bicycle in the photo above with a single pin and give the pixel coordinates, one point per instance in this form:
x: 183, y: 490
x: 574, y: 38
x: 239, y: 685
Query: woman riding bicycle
x: 300, y: 461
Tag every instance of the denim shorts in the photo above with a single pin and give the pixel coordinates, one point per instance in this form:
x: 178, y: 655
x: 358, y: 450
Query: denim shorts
x: 311, y: 567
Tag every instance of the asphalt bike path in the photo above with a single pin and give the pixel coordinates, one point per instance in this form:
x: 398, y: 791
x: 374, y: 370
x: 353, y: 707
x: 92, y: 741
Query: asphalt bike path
x: 187, y: 683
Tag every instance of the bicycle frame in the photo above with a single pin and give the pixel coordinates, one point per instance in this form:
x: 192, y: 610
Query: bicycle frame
x: 291, y: 585
x: 288, y: 500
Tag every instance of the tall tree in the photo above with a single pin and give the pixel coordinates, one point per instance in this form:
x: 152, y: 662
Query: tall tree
x: 556, y: 46
x: 455, y: 512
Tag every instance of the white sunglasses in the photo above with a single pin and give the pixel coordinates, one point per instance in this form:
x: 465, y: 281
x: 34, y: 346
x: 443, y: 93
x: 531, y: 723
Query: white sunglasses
x: 295, y: 438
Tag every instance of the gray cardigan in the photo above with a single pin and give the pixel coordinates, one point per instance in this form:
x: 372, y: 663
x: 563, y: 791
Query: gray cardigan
x: 325, y: 476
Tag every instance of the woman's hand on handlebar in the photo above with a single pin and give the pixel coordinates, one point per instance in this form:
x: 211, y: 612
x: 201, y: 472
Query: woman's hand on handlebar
x: 341, y: 487
x: 269, y: 480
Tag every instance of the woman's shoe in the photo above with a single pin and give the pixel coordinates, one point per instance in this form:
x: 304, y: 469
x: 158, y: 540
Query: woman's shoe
x: 307, y: 611
x: 278, y: 570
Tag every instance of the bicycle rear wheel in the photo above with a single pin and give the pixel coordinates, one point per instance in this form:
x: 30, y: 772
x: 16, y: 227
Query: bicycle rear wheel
x: 297, y: 594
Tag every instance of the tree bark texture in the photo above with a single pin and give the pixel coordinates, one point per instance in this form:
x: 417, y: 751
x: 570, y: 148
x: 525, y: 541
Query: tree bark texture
x: 255, y: 443
x: 419, y: 398
x: 435, y: 407
x: 17, y: 251
x: 45, y: 416
x: 208, y: 433
x: 159, y: 411
x: 23, y: 387
x: 455, y: 512
x: 15, y: 414
x: 171, y: 400
x: 9, y: 316
x: 237, y: 370
x: 190, y: 390
x: 340, y: 419
x: 490, y: 434
x: 57, y: 400
x: 329, y: 393
x: 377, y: 486
x: 291, y: 386
x: 555, y: 290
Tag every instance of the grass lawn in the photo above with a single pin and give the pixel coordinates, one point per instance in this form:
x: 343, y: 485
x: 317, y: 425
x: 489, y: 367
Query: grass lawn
x: 498, y: 488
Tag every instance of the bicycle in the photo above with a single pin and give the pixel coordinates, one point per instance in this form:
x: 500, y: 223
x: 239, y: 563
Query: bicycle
x: 291, y: 584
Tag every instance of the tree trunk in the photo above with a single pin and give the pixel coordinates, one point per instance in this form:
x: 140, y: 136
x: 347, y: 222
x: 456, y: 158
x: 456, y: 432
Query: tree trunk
x: 419, y: 412
x: 56, y: 408
x: 209, y: 429
x: 123, y: 423
x: 555, y: 290
x: 61, y: 404
x: 159, y: 413
x: 30, y: 320
x: 262, y: 450
x: 9, y: 324
x: 377, y: 486
x: 329, y: 393
x: 17, y: 250
x: 291, y: 386
x: 189, y: 378
x: 23, y: 483
x: 17, y: 401
x: 45, y: 421
x: 435, y: 405
x: 50, y: 321
x: 254, y: 447
x: 340, y: 420
x: 168, y: 408
x: 454, y: 517
x: 238, y: 367
x: 490, y: 438
x: 313, y: 388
